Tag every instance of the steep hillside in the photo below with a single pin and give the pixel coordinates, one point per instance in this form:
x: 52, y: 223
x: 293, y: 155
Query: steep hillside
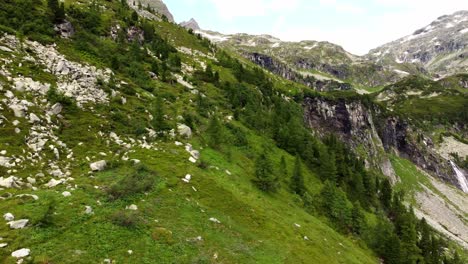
x: 441, y: 47
x: 127, y: 138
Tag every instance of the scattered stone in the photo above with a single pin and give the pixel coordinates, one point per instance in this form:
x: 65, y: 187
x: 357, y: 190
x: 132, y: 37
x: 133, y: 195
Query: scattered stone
x: 66, y: 194
x: 214, y: 220
x: 8, y: 217
x: 19, y: 224
x: 88, y: 210
x: 33, y: 118
x: 10, y: 182
x: 187, y: 178
x: 21, y: 253
x: 56, y: 109
x: 98, y: 165
x: 195, y: 154
x: 31, y: 180
x: 132, y: 207
x: 35, y: 197
x: 184, y: 131
x: 53, y: 182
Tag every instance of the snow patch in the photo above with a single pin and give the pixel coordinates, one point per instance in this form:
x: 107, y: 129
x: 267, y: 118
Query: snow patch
x: 213, y: 37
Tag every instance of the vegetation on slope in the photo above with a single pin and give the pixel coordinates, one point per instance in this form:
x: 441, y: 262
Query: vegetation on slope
x: 241, y: 204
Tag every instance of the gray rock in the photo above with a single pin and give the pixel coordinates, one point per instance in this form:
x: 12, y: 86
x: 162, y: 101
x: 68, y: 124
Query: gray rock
x: 18, y: 110
x: 65, y: 29
x: 56, y: 109
x: 98, y: 165
x: 21, y: 253
x: 8, y: 217
x: 18, y: 224
x: 184, y: 130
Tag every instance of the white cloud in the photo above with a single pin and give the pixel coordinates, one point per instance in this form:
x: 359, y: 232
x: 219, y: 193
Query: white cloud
x: 253, y: 8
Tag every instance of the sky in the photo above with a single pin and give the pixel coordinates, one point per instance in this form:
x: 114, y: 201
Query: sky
x: 356, y: 25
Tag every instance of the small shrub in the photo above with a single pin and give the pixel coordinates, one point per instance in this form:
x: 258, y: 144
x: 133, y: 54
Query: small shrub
x: 141, y: 180
x: 125, y: 218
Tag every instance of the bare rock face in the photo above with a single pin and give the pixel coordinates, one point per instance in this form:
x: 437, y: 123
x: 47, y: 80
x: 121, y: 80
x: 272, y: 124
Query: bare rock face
x: 361, y: 125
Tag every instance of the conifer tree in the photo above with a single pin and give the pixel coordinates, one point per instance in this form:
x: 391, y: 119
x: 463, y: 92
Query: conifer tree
x: 264, y: 177
x: 214, y: 132
x: 297, y: 180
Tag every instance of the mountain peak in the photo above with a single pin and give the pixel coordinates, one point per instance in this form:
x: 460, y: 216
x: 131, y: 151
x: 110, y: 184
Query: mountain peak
x: 191, y: 24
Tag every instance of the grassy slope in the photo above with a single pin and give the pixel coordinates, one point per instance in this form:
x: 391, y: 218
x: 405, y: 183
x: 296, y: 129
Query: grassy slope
x: 255, y: 227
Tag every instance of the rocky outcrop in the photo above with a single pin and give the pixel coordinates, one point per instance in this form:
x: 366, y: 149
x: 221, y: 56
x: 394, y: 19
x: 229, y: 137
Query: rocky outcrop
x: 65, y: 29
x: 288, y: 73
x: 354, y: 124
x: 365, y: 127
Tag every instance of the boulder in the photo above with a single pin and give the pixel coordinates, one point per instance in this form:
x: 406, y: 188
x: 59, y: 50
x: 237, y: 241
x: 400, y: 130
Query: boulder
x: 187, y: 178
x: 56, y: 109
x: 98, y: 165
x: 184, y: 131
x: 53, y: 182
x: 8, y: 217
x: 132, y: 207
x: 10, y: 182
x: 18, y: 110
x: 33, y: 118
x: 65, y: 29
x: 88, y: 210
x: 18, y: 224
x: 21, y: 253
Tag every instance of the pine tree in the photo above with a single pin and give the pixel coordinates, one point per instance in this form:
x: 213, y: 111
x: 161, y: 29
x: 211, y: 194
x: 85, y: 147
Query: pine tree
x: 386, y: 194
x: 264, y: 177
x: 283, y: 167
x: 56, y: 11
x: 327, y: 166
x: 215, y: 132
x: 159, y: 123
x: 297, y: 180
x: 358, y: 220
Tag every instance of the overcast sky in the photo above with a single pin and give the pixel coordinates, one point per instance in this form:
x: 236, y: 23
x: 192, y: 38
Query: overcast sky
x: 357, y: 25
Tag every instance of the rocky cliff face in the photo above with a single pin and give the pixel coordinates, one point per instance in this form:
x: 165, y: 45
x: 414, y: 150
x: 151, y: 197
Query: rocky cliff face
x: 366, y: 128
x: 441, y: 47
x: 283, y: 70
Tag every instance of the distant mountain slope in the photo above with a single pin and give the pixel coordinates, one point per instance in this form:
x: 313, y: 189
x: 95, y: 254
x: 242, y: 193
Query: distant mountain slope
x: 441, y: 47
x: 322, y: 65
